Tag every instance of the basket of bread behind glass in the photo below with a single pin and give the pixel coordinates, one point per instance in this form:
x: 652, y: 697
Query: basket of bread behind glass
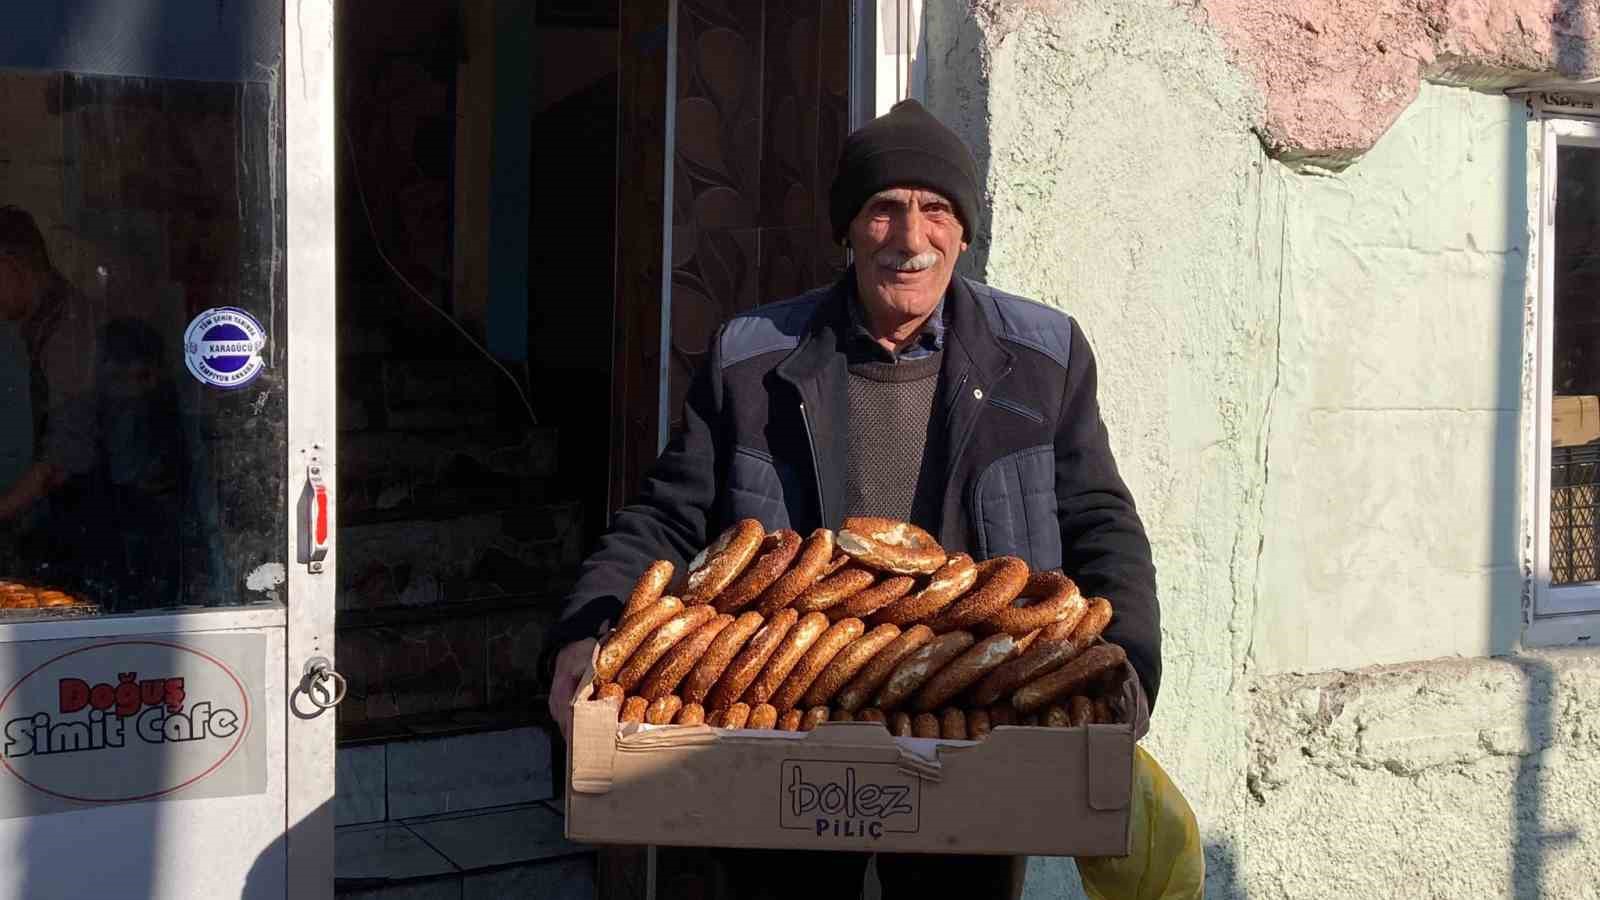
x: 31, y: 600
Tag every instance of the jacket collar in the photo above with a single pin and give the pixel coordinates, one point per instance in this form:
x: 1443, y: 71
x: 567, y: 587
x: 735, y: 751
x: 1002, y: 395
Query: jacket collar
x: 974, y: 359
x: 971, y: 330
x: 969, y: 323
x: 823, y: 341
x: 928, y: 340
x: 816, y: 370
x: 974, y: 363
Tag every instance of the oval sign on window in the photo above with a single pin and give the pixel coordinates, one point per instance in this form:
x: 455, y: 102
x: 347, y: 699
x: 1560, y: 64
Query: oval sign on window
x: 122, y: 720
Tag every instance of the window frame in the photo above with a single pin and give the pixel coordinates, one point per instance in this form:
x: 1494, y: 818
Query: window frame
x: 1562, y: 615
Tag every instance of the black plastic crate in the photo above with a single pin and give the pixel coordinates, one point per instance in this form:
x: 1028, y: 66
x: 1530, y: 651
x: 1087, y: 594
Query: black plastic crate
x: 1575, y: 514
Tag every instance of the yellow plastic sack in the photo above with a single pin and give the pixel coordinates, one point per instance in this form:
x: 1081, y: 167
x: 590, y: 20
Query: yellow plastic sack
x: 1165, y: 861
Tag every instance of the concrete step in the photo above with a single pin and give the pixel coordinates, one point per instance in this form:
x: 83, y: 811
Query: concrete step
x: 406, y: 779
x: 454, y: 661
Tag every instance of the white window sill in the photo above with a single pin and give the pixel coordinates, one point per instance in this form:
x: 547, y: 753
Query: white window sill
x: 1577, y: 630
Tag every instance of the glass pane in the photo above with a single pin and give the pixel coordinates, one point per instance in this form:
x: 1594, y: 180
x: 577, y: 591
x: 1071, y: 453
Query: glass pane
x: 1575, y: 370
x: 141, y: 440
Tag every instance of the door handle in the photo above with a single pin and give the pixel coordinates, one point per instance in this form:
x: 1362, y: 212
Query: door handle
x: 314, y: 682
x: 317, y: 524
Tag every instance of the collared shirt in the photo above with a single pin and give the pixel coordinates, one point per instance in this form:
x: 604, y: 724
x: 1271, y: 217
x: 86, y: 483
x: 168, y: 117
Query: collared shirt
x: 929, y: 338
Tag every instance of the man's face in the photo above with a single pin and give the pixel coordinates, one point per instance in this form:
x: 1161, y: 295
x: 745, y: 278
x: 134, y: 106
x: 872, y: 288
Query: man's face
x: 15, y: 287
x: 906, y: 242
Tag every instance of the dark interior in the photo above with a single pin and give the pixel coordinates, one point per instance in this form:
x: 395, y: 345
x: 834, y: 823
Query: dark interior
x: 476, y: 229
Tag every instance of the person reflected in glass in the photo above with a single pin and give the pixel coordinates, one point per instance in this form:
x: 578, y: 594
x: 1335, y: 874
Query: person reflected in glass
x: 59, y: 341
x: 141, y: 469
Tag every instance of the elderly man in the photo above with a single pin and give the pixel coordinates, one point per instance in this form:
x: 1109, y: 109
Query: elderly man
x: 902, y: 391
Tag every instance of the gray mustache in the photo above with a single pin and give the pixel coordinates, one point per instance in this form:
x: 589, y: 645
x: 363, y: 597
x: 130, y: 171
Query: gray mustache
x: 891, y: 260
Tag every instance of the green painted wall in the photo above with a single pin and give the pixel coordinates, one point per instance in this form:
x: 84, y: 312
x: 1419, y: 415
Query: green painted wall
x: 1314, y: 384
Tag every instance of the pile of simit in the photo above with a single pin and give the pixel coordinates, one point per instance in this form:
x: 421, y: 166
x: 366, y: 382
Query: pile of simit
x: 16, y: 595
x: 874, y: 624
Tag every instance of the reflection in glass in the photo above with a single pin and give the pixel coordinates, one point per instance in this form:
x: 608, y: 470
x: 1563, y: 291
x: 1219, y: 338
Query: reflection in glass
x: 131, y: 205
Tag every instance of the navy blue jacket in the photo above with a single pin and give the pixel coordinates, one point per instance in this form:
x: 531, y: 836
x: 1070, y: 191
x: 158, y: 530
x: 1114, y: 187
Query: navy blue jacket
x: 1030, y: 470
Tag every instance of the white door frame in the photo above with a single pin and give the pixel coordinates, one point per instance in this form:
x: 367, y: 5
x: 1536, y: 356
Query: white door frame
x: 888, y: 56
x: 310, y: 142
x: 307, y: 127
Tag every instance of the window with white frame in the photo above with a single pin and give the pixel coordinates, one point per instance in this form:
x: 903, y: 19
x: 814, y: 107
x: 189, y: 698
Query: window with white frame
x: 1567, y: 595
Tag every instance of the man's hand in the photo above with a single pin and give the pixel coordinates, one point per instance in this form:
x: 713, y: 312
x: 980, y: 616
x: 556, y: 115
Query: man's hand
x: 570, y: 665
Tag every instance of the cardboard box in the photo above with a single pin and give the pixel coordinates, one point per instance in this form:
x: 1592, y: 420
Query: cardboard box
x: 1574, y: 420
x: 852, y: 786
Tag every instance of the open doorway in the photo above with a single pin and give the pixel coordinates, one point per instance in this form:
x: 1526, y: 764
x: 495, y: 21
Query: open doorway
x: 572, y: 240
x: 531, y: 192
x: 477, y: 200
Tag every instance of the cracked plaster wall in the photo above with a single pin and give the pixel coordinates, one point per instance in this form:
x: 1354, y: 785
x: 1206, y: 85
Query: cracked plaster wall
x: 1336, y: 74
x: 1394, y: 432
x: 1312, y: 383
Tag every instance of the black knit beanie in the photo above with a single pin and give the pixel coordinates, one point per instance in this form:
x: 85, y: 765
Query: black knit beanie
x: 905, y: 147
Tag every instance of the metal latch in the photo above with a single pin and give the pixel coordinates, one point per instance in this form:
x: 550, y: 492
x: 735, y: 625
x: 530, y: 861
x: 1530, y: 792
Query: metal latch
x: 314, y: 680
x: 317, y: 514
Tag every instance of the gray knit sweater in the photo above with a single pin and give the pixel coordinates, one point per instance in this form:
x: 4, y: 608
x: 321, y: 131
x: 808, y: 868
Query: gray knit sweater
x: 895, y: 445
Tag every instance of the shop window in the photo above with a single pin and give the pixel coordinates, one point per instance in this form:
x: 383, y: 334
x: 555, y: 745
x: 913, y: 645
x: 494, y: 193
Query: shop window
x: 1567, y: 595
x: 142, y: 388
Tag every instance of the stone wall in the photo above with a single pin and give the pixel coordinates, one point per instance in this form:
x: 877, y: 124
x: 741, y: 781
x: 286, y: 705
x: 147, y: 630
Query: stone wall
x: 1123, y: 185
x: 1336, y: 74
x: 1314, y: 384
x: 1396, y: 415
x: 1449, y: 778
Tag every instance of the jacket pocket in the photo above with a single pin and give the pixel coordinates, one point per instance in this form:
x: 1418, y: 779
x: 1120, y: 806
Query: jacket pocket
x: 756, y: 490
x: 1013, y: 406
x: 1014, y: 508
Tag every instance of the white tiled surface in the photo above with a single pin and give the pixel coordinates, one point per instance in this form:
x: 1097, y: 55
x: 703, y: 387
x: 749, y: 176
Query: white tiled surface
x: 480, y: 840
x: 455, y: 807
x: 473, y: 771
x: 385, y: 851
x: 359, y: 785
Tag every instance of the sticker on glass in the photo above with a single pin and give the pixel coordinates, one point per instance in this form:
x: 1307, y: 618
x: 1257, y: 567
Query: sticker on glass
x: 222, y: 347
